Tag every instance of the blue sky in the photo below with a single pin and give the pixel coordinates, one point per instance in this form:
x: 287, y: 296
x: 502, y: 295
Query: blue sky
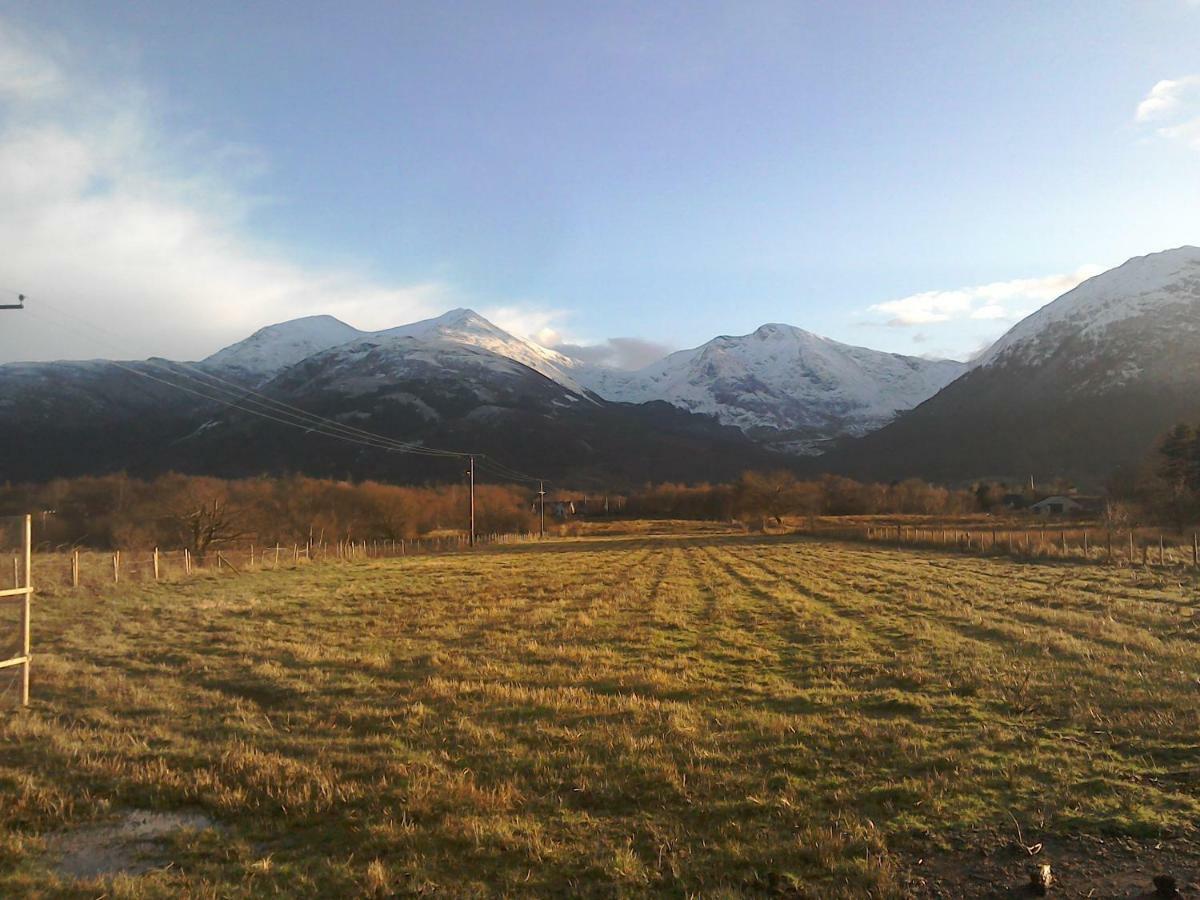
x: 911, y: 177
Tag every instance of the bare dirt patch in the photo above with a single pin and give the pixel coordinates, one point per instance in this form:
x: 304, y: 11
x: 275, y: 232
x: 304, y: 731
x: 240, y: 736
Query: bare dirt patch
x: 1082, y: 867
x: 137, y: 843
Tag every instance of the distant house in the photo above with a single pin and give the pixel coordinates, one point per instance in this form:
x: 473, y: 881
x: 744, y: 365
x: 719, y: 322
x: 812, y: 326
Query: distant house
x: 1068, y: 505
x: 1057, y: 506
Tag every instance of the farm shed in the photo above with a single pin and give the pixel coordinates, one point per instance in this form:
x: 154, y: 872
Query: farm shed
x: 1057, y: 506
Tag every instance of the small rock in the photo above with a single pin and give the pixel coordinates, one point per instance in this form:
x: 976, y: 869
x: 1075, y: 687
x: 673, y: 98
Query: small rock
x: 1164, y: 886
x: 1040, y: 879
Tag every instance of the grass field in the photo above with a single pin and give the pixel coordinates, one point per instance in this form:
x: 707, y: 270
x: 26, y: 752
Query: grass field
x: 714, y: 715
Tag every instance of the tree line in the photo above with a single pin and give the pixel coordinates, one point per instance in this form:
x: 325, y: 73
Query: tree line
x: 773, y: 495
x: 202, y: 514
x: 1165, y: 487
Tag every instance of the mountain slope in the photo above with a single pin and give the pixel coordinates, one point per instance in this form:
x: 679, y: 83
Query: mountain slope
x: 467, y: 328
x: 1078, y: 388
x: 784, y: 385
x: 272, y: 349
x: 77, y: 418
x: 420, y: 387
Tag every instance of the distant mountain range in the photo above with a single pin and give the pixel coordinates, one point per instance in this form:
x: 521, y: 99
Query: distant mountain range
x: 786, y: 387
x: 783, y: 386
x: 1077, y: 388
x: 1082, y: 386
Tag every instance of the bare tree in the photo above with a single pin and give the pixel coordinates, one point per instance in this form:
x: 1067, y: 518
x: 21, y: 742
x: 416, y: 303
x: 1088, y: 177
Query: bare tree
x: 209, y: 524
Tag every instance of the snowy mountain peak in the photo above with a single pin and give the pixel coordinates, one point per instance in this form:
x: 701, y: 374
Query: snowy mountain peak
x: 460, y: 322
x: 467, y: 328
x: 778, y: 330
x: 275, y: 347
x: 1161, y: 288
x: 785, y: 381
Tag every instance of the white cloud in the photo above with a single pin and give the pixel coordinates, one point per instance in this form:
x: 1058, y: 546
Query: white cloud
x: 618, y: 352
x: 1000, y: 301
x: 1166, y: 97
x: 104, y: 219
x: 1174, y: 105
x: 25, y: 74
x: 540, y: 325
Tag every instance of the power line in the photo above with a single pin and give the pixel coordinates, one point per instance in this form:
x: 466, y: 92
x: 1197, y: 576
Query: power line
x: 243, y: 394
x: 235, y: 396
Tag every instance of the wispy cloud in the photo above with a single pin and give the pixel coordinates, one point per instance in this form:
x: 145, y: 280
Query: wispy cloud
x: 539, y: 324
x: 105, y: 218
x: 998, y: 301
x: 618, y: 352
x: 1173, y: 107
x: 549, y: 327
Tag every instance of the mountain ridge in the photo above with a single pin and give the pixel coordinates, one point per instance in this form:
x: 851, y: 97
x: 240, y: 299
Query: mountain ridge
x: 1079, y: 388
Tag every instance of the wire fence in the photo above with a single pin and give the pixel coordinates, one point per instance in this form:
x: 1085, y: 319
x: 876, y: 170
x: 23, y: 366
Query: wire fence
x: 95, y: 568
x: 1146, y: 547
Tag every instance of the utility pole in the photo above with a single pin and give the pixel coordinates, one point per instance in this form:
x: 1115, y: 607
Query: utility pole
x: 542, y: 505
x: 20, y: 304
x: 471, y: 477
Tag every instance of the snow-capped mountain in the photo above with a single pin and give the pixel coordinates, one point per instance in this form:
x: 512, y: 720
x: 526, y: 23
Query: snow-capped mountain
x: 1083, y: 385
x: 272, y: 349
x: 783, y: 384
x: 466, y: 328
x: 1133, y: 316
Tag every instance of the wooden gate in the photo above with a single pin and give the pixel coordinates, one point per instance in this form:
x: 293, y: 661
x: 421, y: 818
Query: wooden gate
x: 22, y: 593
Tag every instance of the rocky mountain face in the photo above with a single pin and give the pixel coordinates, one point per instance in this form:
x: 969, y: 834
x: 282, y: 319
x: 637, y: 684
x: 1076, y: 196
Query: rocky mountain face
x: 1082, y: 386
x: 784, y: 386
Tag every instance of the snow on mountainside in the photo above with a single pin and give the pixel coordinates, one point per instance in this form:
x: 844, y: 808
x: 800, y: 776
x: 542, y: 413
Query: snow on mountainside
x: 1161, y: 289
x: 272, y: 349
x: 1083, y: 386
x: 467, y: 328
x: 784, y: 379
x: 780, y: 383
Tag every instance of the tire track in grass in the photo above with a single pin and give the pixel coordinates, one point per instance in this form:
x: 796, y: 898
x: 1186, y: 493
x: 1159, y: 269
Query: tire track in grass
x: 947, y: 606
x: 832, y: 645
x: 1150, y: 602
x: 1023, y: 606
x: 1091, y: 679
x: 1058, y: 678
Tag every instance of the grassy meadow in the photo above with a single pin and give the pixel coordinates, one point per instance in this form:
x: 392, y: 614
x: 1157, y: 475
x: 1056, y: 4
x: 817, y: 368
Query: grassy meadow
x: 614, y: 715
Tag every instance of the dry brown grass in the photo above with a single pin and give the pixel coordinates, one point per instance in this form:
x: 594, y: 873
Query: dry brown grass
x: 724, y: 715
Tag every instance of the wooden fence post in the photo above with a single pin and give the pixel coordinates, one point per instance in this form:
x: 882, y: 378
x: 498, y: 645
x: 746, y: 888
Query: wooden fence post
x: 27, y: 610
x: 1162, y: 551
x: 156, y: 564
x: 187, y: 561
x: 1132, y: 554
x: 1195, y: 551
x: 116, y: 567
x: 74, y: 568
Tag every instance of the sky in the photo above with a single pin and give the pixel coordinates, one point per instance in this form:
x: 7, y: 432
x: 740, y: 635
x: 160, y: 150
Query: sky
x: 616, y: 179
